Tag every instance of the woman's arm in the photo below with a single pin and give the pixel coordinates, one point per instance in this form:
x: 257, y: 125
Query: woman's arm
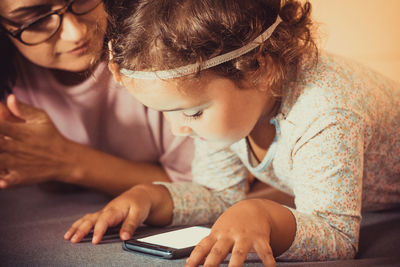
x: 34, y: 151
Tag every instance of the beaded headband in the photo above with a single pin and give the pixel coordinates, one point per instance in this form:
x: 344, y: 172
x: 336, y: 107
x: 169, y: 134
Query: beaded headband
x: 193, y: 68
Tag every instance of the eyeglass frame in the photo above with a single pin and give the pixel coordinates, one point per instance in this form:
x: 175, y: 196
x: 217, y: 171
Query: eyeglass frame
x: 60, y: 12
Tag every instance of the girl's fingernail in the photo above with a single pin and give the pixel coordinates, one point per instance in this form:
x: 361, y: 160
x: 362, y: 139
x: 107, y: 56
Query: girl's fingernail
x: 125, y: 236
x: 66, y: 235
x: 95, y: 240
x: 74, y: 238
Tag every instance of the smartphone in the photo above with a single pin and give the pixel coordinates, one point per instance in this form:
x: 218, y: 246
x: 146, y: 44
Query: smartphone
x: 173, y: 244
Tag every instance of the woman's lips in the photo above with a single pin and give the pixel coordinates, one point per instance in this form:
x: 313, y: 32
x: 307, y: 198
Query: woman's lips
x: 80, y: 49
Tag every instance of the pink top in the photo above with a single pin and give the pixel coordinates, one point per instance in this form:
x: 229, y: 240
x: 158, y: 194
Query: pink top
x: 103, y: 115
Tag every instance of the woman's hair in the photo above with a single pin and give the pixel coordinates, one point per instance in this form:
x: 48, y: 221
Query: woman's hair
x: 165, y: 34
x: 7, y: 68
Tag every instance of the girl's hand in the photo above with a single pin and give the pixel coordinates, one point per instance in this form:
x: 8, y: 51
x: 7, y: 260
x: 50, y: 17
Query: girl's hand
x: 150, y: 203
x: 31, y: 148
x: 242, y: 228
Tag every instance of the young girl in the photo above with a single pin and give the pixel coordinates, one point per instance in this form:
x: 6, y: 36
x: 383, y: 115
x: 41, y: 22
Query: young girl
x: 95, y: 134
x: 246, y: 81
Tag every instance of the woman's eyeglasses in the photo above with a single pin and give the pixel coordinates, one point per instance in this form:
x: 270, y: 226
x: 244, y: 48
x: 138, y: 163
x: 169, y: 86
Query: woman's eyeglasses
x: 45, y: 26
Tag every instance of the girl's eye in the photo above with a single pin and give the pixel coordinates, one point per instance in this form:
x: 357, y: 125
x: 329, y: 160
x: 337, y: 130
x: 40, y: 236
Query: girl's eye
x: 193, y: 116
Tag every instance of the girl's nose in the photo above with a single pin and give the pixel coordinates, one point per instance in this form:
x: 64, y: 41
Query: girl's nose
x: 72, y: 29
x: 182, y: 131
x: 177, y: 127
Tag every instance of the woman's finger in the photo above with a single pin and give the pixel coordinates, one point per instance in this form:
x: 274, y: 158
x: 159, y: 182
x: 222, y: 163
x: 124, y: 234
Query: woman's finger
x: 11, y: 178
x: 14, y: 130
x: 3, y: 184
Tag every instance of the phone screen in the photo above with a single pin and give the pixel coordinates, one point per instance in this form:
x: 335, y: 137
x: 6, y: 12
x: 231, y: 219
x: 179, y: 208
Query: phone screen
x: 178, y: 239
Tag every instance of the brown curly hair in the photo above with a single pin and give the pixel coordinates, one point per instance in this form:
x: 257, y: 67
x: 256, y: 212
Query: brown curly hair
x: 165, y: 34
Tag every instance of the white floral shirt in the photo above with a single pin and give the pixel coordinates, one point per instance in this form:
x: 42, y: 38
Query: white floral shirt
x: 337, y: 151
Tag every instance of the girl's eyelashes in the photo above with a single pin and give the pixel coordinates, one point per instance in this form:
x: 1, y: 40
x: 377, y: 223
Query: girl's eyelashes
x: 193, y: 116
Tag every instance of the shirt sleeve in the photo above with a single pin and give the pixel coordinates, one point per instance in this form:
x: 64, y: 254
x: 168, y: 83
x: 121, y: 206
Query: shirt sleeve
x: 327, y: 173
x: 219, y: 181
x: 177, y: 159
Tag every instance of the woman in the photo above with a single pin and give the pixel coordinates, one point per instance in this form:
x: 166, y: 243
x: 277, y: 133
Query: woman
x: 72, y: 123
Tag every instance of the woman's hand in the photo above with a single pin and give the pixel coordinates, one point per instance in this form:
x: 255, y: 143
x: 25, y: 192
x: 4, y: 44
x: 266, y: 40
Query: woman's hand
x: 31, y: 148
x: 142, y: 203
x: 245, y: 227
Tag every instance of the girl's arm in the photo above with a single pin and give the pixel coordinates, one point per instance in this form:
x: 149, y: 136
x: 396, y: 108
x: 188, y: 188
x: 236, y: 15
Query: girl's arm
x: 35, y: 151
x: 328, y: 172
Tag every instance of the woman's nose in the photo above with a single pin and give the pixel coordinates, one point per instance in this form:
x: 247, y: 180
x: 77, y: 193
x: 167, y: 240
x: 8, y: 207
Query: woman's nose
x: 72, y: 29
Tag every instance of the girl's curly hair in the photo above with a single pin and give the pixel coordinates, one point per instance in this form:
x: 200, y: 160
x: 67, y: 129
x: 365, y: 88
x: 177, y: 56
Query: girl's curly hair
x: 164, y: 34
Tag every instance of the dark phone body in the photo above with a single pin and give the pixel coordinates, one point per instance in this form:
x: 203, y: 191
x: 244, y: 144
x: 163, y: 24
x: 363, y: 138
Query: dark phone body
x: 163, y: 250
x: 156, y: 250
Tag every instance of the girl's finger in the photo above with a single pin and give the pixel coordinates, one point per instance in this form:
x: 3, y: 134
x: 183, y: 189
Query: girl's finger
x: 71, y: 231
x: 82, y: 231
x: 201, y: 250
x: 218, y: 252
x: 239, y: 253
x: 74, y: 227
x: 99, y: 229
x: 264, y: 252
x: 130, y: 224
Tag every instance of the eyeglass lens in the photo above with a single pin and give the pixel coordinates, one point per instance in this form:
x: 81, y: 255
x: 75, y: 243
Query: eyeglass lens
x: 41, y: 30
x: 45, y: 27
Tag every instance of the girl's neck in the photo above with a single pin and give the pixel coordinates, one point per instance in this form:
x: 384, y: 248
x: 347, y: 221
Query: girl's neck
x: 263, y: 133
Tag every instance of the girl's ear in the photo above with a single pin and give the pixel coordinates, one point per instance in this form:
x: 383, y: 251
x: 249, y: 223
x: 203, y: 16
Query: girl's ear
x: 113, y: 67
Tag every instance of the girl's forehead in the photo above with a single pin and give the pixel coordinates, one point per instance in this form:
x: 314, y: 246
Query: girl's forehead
x: 167, y: 94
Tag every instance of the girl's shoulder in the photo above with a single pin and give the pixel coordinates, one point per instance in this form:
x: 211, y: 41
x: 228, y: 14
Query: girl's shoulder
x: 336, y: 83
